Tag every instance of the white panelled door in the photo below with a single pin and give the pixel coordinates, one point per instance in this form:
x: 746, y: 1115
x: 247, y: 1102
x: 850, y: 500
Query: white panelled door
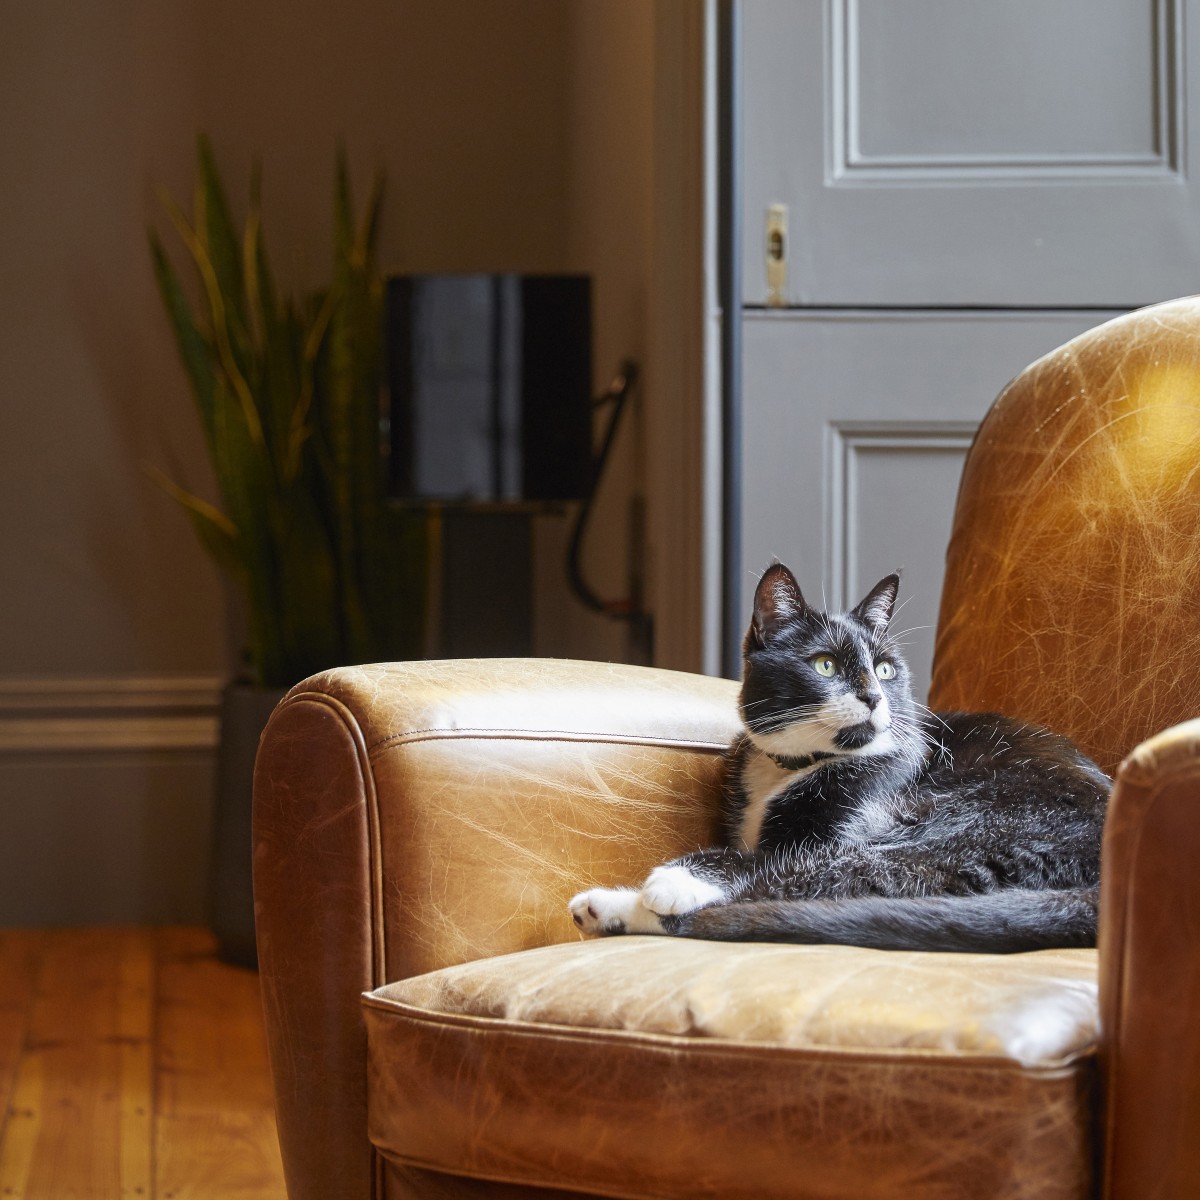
x: 966, y: 187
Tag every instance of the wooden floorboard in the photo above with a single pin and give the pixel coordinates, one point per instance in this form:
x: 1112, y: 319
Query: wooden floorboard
x: 216, y: 1118
x: 20, y: 953
x: 20, y: 957
x: 132, y: 1064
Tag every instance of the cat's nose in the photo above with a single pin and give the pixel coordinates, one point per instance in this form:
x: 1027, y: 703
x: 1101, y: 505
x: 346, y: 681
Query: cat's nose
x: 871, y: 699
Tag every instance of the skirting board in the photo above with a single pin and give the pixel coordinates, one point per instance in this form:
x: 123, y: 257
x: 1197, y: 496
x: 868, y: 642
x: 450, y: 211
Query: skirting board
x: 106, y: 793
x: 116, y: 713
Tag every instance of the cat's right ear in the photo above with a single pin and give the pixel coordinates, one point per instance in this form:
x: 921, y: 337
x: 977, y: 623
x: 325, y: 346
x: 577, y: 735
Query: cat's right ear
x: 875, y: 610
x: 777, y: 602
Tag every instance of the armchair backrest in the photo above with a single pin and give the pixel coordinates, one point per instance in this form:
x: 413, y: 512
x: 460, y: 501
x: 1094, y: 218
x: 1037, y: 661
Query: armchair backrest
x: 1072, y: 591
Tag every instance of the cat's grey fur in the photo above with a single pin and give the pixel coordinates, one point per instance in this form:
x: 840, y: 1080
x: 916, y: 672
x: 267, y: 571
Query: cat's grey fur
x: 852, y: 815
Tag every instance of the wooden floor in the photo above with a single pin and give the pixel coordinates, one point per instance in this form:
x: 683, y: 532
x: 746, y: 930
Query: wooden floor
x: 132, y: 1064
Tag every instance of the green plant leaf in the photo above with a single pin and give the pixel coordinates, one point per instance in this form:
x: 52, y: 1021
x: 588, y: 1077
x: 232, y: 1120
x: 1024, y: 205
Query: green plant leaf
x: 252, y: 258
x: 220, y: 326
x: 396, y: 574
x: 368, y: 234
x: 195, y: 350
x: 215, y: 227
x: 217, y: 533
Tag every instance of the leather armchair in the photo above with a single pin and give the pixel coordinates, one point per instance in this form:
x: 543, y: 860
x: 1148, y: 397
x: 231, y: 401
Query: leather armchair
x: 437, y: 1028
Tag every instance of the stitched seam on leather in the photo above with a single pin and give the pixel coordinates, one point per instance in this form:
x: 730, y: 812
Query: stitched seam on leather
x: 724, y: 1047
x: 1180, y: 764
x: 543, y: 735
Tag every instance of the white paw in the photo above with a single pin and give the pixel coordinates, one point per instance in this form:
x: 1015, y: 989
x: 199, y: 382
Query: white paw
x: 601, y: 911
x: 672, y: 890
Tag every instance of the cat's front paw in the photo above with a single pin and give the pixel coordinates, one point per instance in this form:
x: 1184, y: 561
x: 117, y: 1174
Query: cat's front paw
x: 674, y: 890
x: 603, y: 911
x: 600, y: 911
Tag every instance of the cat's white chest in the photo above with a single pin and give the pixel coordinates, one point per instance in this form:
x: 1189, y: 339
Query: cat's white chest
x: 762, y: 781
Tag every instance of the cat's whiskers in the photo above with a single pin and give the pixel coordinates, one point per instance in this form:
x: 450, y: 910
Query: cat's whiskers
x: 899, y: 633
x: 787, y: 716
x: 771, y: 700
x: 784, y: 719
x: 930, y: 713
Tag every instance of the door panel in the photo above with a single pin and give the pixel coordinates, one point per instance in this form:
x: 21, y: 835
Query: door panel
x: 855, y: 425
x: 1020, y: 153
x: 913, y: 95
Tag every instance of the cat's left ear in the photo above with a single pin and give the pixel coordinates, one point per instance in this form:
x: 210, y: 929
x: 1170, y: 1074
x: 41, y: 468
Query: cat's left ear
x: 875, y: 611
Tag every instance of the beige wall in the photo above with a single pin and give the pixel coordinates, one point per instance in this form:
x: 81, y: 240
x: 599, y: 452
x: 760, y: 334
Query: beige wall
x: 462, y: 102
x: 609, y: 180
x: 93, y: 100
x: 513, y: 136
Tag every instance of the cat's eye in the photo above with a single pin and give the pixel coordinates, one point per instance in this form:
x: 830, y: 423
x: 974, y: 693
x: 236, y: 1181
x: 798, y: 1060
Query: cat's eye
x: 824, y: 665
x: 885, y: 670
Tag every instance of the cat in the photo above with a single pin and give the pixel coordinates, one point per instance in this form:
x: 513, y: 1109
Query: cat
x: 853, y: 815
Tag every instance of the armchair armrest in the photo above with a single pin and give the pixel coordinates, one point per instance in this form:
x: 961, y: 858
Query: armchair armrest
x: 1149, y: 943
x: 415, y: 815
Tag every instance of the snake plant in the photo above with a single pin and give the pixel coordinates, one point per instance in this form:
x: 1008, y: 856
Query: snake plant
x: 287, y: 390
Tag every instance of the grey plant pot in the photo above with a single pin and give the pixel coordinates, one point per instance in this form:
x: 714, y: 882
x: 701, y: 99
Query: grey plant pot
x: 244, y: 712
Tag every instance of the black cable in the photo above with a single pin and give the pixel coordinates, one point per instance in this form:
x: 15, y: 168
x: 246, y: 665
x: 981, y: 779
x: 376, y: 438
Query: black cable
x: 617, y: 394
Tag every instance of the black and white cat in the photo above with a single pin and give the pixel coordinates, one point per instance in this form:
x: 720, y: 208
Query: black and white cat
x: 853, y: 815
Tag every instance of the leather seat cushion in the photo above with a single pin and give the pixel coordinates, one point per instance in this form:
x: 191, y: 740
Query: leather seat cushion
x: 654, y: 1067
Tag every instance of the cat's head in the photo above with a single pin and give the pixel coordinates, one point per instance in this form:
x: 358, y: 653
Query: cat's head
x: 824, y: 683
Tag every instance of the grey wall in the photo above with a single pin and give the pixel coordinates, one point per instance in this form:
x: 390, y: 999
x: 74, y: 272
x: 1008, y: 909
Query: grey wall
x: 507, y: 144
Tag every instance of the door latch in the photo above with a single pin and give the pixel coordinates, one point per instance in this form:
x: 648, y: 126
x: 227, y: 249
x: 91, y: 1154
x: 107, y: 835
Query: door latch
x: 776, y: 245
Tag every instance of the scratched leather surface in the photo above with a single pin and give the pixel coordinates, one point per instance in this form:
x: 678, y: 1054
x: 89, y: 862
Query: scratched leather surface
x: 1073, y: 569
x: 644, y: 1067
x: 511, y: 800
x: 413, y: 816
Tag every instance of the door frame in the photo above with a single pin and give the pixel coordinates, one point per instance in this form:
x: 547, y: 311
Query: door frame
x: 685, y: 419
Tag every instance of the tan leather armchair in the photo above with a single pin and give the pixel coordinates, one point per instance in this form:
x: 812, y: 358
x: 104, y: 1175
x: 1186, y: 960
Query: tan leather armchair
x: 438, y: 1029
